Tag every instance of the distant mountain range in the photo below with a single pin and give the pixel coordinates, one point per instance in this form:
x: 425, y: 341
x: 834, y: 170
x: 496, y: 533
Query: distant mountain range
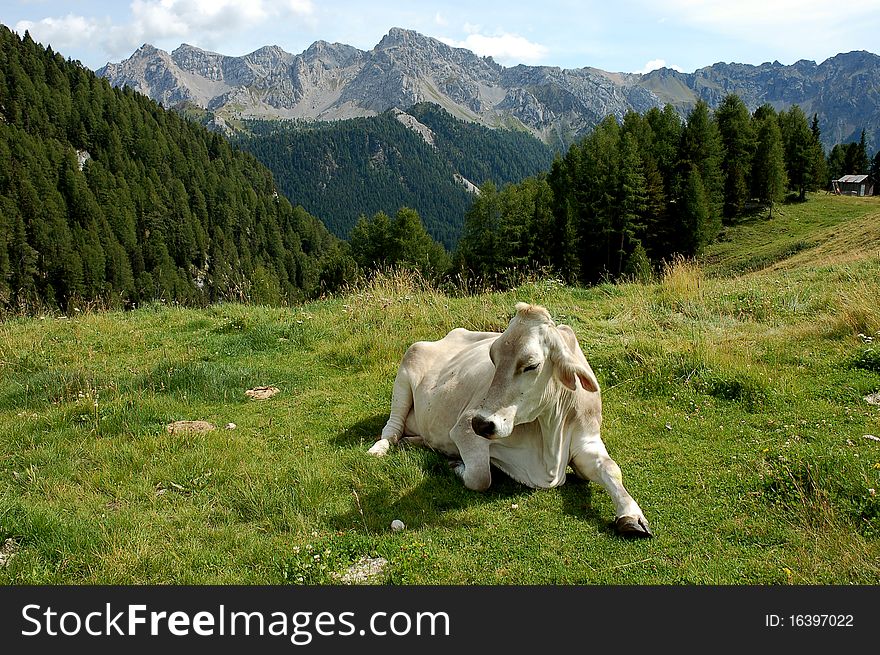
x: 337, y: 81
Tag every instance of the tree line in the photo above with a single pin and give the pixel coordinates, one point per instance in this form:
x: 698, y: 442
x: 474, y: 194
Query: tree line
x: 637, y: 192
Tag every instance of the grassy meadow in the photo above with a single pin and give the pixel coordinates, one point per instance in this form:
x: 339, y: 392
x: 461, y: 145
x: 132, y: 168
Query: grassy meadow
x: 734, y: 401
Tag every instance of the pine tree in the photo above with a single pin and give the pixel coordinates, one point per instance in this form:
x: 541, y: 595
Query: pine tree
x: 414, y: 247
x: 514, y: 226
x: 738, y: 139
x: 819, y: 174
x: 162, y: 207
x: 655, y: 218
x: 861, y: 164
x: 875, y: 172
x: 696, y: 215
x: 632, y: 200
x: 799, y: 152
x: 370, y: 242
x: 701, y: 149
x: 563, y: 252
x: 768, y: 166
x: 545, y: 242
x: 477, y: 249
x: 837, y: 164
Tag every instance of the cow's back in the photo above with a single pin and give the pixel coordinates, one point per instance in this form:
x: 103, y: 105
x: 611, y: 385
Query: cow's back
x: 445, y: 377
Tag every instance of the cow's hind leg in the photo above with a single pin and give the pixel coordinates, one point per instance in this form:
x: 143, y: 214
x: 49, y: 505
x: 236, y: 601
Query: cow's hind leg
x: 401, y: 405
x: 591, y: 461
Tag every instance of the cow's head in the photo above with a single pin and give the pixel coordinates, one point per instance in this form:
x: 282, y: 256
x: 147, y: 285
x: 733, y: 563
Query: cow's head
x: 536, y: 364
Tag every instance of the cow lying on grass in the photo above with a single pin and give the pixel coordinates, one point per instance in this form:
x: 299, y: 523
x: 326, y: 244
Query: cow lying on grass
x: 525, y: 400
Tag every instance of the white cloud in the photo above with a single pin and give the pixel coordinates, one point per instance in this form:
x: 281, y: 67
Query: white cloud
x: 152, y: 21
x: 440, y: 20
x: 654, y: 64
x: 501, y: 46
x: 64, y: 31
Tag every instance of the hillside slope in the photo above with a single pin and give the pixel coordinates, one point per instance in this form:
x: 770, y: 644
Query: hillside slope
x: 424, y: 159
x: 107, y: 196
x: 826, y: 230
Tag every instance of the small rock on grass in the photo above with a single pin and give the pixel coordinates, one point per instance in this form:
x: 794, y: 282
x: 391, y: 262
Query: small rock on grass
x: 261, y: 393
x: 365, y: 571
x: 7, y: 551
x: 189, y: 426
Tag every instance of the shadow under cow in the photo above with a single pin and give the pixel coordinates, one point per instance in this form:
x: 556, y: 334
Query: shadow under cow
x: 437, y: 500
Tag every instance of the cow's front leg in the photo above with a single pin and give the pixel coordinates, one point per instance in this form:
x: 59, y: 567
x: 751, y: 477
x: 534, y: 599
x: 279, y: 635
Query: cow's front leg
x: 474, y: 452
x: 401, y: 406
x: 591, y: 461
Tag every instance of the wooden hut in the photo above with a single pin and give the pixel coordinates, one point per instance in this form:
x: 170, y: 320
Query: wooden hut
x: 853, y: 185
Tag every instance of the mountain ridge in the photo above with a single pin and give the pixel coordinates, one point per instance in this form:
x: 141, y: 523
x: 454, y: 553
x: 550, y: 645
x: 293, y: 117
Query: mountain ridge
x: 332, y: 81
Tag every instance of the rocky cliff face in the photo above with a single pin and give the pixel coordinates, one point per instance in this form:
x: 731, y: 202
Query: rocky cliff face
x: 842, y: 90
x: 335, y: 81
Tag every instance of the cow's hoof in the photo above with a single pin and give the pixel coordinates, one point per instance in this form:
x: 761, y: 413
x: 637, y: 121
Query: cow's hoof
x: 380, y: 448
x: 633, y: 527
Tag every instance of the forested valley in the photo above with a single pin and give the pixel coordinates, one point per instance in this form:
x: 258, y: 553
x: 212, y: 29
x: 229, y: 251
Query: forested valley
x: 344, y: 169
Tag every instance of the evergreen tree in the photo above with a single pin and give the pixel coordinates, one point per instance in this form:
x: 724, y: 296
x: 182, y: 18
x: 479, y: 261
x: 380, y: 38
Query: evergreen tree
x: 769, y: 179
x: 515, y: 226
x: 701, y: 153
x: 860, y: 163
x: 738, y: 139
x: 875, y: 172
x: 562, y: 248
x: 837, y: 164
x: 819, y: 173
x: 696, y: 215
x: 632, y: 200
x: 370, y: 241
x: 414, y: 247
x: 477, y: 249
x: 656, y: 240
x: 799, y: 150
x: 157, y: 207
x: 666, y: 128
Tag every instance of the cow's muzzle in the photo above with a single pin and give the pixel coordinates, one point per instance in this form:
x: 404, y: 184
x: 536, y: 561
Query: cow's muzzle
x: 484, y: 427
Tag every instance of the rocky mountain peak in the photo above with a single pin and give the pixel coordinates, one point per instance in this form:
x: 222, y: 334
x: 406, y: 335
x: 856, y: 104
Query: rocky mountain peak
x: 146, y: 50
x: 335, y: 81
x: 398, y: 36
x: 331, y: 55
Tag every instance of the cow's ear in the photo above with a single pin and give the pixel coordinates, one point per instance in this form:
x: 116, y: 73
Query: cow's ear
x: 569, y: 372
x: 566, y: 355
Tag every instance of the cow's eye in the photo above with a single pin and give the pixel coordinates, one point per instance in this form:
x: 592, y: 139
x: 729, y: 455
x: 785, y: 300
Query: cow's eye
x: 531, y: 367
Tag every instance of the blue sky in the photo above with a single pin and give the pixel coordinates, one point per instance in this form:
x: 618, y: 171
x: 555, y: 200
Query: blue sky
x: 625, y: 36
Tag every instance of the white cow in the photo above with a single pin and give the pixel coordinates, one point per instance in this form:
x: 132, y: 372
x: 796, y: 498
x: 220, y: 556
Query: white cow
x: 525, y: 400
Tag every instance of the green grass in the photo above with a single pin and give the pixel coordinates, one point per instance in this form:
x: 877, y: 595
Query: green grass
x: 734, y: 405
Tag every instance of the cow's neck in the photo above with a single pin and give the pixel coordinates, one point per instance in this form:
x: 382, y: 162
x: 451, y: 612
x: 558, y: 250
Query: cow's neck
x: 560, y: 422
